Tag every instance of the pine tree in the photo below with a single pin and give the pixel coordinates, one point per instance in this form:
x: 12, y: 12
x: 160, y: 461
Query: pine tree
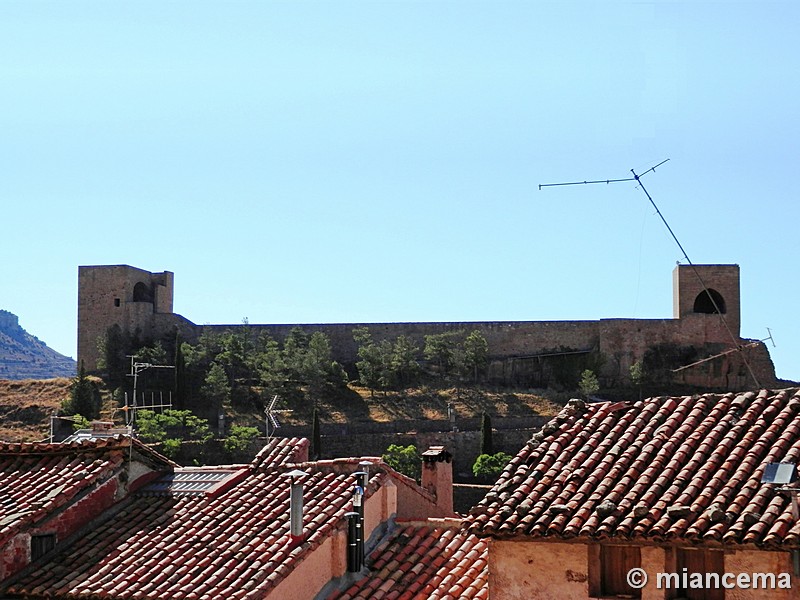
x: 216, y: 388
x: 588, y: 384
x: 84, y: 398
x: 475, y: 354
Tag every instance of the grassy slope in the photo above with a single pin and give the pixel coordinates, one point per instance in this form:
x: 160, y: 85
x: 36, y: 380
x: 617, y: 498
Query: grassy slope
x: 357, y: 404
x: 25, y: 406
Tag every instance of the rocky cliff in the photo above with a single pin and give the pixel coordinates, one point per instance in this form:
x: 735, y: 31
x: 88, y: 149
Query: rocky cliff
x: 23, y: 356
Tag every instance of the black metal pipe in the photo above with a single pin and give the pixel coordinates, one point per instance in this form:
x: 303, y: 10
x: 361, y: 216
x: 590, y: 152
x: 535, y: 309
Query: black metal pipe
x: 353, y: 552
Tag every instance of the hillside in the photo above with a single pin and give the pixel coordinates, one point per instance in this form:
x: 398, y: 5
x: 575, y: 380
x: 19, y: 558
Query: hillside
x: 26, y: 406
x: 24, y: 356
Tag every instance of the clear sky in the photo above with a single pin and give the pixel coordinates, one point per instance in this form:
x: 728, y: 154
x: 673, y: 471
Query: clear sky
x: 379, y: 161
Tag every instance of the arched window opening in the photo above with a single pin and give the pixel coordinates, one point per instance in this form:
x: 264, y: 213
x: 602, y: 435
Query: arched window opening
x: 705, y: 301
x: 142, y: 293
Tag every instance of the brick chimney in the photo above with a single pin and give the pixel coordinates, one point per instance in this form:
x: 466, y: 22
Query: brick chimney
x: 437, y: 476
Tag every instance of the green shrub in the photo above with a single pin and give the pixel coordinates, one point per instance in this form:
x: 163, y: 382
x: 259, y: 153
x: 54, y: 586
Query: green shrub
x: 240, y: 438
x: 588, y: 384
x: 80, y: 422
x: 403, y: 459
x: 158, y: 427
x: 489, y: 466
x: 171, y: 447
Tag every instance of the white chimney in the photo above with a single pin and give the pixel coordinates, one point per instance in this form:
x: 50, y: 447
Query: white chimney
x: 296, y: 503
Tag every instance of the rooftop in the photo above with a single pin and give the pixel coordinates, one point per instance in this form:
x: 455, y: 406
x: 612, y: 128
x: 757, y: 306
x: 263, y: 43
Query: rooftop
x: 225, y: 536
x: 432, y: 560
x: 661, y: 469
x: 37, y: 478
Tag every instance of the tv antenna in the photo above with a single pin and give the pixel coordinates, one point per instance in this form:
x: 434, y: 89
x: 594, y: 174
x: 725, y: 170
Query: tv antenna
x: 136, y: 368
x: 637, y: 178
x: 731, y: 351
x: 271, y: 419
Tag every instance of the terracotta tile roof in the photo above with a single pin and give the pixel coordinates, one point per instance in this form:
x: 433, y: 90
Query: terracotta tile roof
x: 37, y: 478
x: 662, y: 469
x: 234, y: 544
x: 425, y: 561
x: 280, y: 451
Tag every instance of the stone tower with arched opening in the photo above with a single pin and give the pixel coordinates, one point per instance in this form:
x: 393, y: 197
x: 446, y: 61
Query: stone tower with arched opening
x: 140, y: 304
x: 118, y: 295
x: 704, y: 292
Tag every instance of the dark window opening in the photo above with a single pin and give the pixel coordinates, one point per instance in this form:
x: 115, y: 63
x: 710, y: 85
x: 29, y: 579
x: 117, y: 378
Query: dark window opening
x: 706, y: 301
x: 41, y: 545
x: 116, y: 301
x: 142, y: 293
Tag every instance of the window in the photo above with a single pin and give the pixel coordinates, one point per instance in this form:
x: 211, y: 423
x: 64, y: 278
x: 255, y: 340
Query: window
x: 41, y: 545
x: 706, y: 301
x: 142, y: 293
x: 703, y: 562
x: 608, y: 568
x: 116, y: 301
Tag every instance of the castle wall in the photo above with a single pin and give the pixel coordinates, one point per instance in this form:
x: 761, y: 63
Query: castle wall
x: 140, y: 301
x: 504, y: 338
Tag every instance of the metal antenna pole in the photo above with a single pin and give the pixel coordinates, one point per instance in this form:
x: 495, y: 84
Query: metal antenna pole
x: 638, y: 180
x: 136, y: 368
x: 722, y: 318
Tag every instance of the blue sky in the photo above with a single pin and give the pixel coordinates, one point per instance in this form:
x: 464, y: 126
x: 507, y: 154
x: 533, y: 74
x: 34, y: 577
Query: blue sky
x: 356, y: 161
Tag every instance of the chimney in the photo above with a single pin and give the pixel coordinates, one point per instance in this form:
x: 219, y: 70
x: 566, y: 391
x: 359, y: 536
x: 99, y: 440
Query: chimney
x: 437, y: 477
x: 296, y: 503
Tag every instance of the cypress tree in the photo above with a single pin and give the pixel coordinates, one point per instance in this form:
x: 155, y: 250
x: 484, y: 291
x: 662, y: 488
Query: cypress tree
x: 486, y: 435
x: 316, y: 438
x: 180, y: 373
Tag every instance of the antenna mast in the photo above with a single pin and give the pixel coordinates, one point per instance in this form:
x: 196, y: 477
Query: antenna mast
x: 637, y: 178
x: 131, y: 410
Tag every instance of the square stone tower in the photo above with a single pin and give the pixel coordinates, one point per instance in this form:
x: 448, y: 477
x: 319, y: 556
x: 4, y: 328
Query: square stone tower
x: 691, y: 301
x: 118, y: 295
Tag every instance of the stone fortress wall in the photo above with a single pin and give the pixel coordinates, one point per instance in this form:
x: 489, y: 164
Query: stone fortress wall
x: 141, y: 301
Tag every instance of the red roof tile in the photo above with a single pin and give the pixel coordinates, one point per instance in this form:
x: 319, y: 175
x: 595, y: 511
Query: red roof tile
x: 37, y: 478
x: 280, y: 451
x: 664, y: 468
x: 430, y: 561
x: 232, y: 544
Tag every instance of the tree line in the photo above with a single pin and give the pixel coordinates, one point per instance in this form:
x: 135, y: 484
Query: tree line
x: 393, y: 364
x: 243, y: 366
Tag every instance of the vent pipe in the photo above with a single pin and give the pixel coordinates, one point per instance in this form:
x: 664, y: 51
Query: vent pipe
x: 296, y: 502
x: 365, y: 465
x: 361, y: 479
x: 353, y: 550
x: 358, y: 508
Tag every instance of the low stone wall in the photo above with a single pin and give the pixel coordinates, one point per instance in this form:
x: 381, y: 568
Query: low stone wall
x: 412, y: 426
x: 464, y: 445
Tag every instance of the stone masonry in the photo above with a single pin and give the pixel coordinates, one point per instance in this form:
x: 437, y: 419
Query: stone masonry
x: 141, y: 302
